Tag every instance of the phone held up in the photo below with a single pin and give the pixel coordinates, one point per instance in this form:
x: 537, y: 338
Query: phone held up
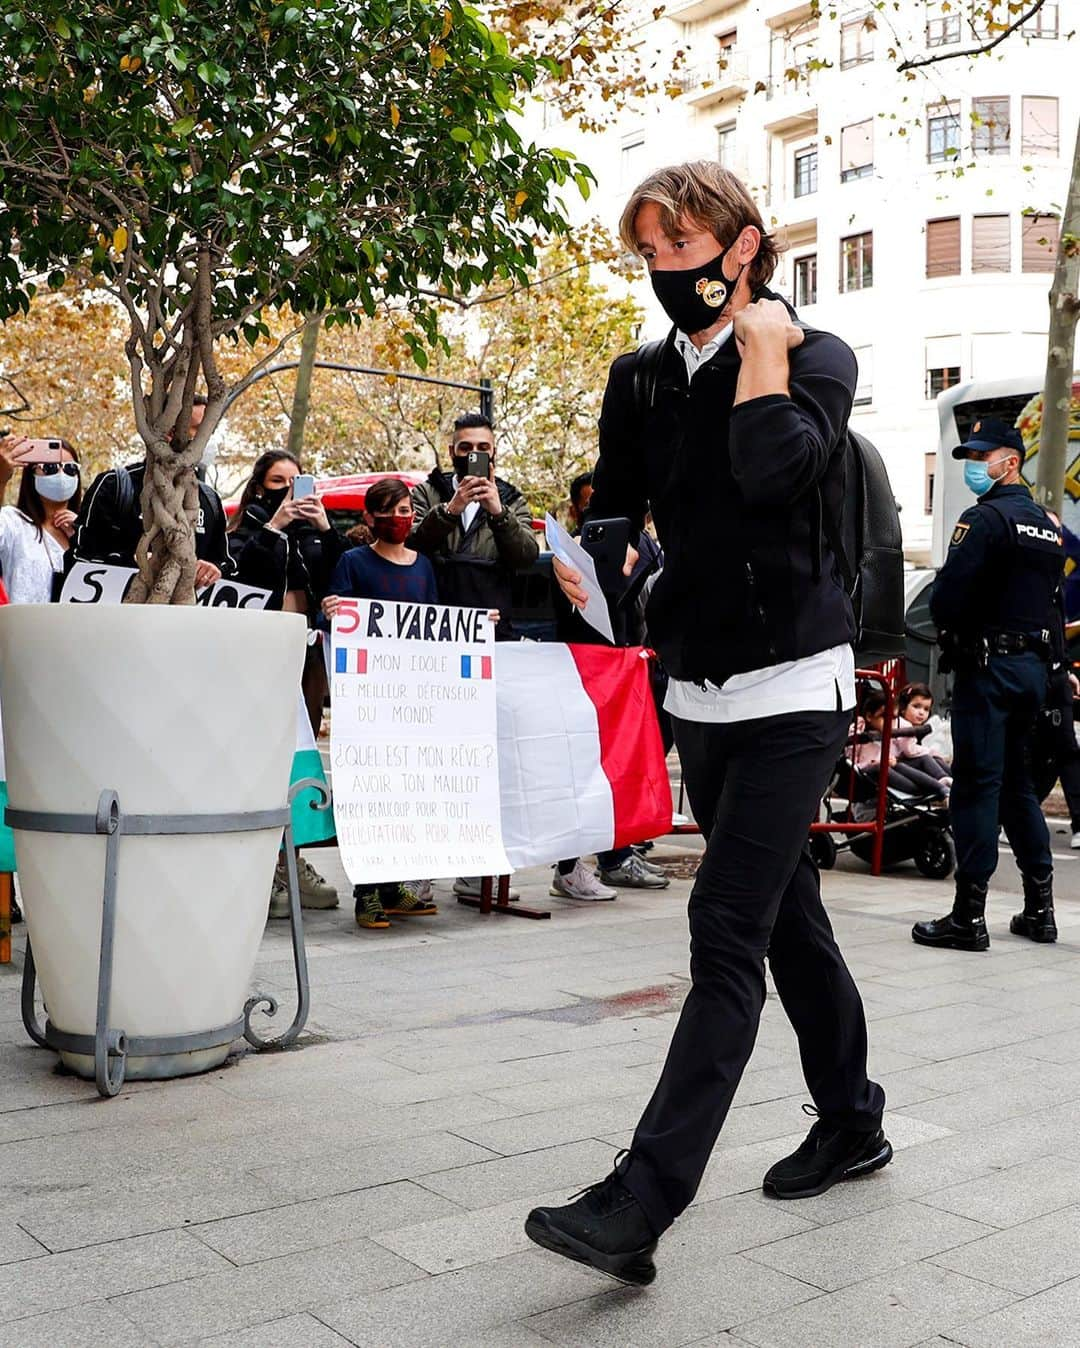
x: 37, y: 451
x: 478, y: 464
x: 606, y: 542
x: 303, y: 485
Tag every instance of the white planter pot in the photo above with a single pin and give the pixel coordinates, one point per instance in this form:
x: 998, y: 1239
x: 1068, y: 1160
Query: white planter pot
x: 179, y: 711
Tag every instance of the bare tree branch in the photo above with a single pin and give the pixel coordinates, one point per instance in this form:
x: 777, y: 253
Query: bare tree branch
x: 919, y: 61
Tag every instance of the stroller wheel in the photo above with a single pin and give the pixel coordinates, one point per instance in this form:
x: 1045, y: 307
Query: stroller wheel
x: 822, y: 851
x: 935, y: 856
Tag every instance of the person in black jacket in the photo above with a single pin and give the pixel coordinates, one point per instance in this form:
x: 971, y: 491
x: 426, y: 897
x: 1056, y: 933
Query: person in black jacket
x: 738, y: 451
x: 289, y: 548
x: 285, y: 546
x: 110, y: 520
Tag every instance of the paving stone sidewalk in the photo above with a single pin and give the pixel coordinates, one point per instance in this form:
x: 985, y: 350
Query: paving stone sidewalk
x: 369, y: 1187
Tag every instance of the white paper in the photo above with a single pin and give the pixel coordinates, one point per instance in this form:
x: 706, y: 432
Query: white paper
x: 99, y: 583
x: 414, y: 742
x: 570, y: 552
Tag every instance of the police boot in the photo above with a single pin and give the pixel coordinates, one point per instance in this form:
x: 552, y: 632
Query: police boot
x: 962, y: 929
x: 1036, y: 922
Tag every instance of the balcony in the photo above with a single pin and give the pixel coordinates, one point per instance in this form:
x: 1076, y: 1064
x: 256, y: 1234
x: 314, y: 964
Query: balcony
x: 707, y: 82
x: 688, y: 11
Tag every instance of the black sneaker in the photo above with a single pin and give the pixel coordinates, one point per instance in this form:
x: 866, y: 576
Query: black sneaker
x: 604, y: 1227
x: 827, y: 1156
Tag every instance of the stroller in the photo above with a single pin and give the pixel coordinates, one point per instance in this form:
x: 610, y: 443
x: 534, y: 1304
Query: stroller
x: 915, y: 827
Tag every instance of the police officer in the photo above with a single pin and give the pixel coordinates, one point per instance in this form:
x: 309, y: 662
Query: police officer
x: 996, y: 604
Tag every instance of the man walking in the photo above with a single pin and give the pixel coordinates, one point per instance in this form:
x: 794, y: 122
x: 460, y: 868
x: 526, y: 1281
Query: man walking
x: 738, y: 451
x: 996, y: 604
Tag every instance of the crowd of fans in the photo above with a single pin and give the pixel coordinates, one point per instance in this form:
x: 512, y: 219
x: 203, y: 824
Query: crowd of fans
x: 457, y: 538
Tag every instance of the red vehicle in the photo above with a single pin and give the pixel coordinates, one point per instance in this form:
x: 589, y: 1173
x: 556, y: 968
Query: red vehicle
x: 343, y: 499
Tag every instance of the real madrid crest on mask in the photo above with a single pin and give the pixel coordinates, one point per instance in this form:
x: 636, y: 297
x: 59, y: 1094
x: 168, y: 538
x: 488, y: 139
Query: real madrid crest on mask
x: 714, y: 293
x: 695, y: 299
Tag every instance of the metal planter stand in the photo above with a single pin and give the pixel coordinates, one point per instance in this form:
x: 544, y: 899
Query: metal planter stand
x: 108, y: 1046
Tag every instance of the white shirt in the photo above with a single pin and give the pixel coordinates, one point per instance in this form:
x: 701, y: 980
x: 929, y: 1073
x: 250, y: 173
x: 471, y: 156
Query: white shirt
x: 821, y: 682
x: 28, y: 559
x: 469, y: 513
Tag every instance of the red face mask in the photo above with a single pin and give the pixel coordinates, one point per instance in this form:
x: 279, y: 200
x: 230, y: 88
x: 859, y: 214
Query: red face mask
x: 392, y: 528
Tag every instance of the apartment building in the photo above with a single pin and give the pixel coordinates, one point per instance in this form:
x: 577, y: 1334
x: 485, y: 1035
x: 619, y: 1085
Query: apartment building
x: 920, y: 215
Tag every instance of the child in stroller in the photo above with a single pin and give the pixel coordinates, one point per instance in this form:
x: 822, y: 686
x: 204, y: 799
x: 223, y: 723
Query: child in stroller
x: 916, y: 818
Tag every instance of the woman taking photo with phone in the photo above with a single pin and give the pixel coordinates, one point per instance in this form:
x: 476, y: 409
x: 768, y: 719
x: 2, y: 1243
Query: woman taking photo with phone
x: 36, y: 532
x: 287, y: 545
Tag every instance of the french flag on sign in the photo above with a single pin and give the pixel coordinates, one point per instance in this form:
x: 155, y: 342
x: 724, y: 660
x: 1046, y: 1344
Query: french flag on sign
x: 476, y: 666
x: 349, y: 661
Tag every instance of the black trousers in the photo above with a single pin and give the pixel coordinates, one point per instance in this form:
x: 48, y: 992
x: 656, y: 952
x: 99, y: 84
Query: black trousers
x: 994, y: 712
x: 755, y: 787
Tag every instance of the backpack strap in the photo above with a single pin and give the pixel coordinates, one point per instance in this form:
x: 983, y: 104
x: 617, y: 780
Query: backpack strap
x: 646, y: 374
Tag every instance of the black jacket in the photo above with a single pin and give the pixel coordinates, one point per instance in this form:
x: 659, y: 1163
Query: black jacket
x: 110, y: 521
x: 627, y: 612
x: 1003, y: 570
x: 474, y: 567
x: 736, y: 495
x: 301, y: 558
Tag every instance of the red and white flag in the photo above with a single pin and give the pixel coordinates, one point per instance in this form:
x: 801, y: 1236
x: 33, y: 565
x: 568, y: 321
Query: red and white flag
x: 581, y: 763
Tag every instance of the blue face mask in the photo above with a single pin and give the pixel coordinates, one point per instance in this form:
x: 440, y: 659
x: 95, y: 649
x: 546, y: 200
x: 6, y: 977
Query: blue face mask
x: 977, y: 475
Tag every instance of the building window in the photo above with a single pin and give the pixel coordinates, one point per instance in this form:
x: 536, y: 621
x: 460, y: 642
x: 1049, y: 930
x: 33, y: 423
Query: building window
x: 856, y: 42
x: 1043, y: 23
x: 942, y: 132
x: 805, y: 280
x: 856, y: 151
x: 801, y: 48
x: 1039, y: 242
x: 726, y: 43
x: 990, y: 243
x: 990, y: 125
x: 633, y: 151
x: 864, y: 380
x: 930, y: 470
x: 940, y: 378
x: 943, y: 247
x: 725, y: 145
x: 857, y: 262
x: 806, y: 171
x: 941, y: 32
x: 1039, y: 126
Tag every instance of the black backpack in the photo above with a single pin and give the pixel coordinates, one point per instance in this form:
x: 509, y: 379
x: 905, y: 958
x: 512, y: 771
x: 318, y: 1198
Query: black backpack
x: 866, y: 541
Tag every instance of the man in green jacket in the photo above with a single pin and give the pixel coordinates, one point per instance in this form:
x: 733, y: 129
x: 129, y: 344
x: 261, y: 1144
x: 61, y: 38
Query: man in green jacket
x: 477, y: 531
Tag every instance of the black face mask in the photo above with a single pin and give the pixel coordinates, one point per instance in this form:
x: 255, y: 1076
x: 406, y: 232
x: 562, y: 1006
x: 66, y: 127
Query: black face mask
x: 694, y: 299
x: 461, y: 467
x: 271, y: 500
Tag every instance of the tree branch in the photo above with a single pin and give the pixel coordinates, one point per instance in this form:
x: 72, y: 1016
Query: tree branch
x: 980, y: 50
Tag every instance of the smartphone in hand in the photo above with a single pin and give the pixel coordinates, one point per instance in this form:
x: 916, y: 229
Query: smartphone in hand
x: 606, y: 542
x: 478, y: 464
x: 40, y: 451
x: 303, y: 484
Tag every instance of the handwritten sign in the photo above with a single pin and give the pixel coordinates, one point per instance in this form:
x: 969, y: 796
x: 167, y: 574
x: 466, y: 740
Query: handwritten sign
x: 99, y: 583
x: 413, y: 742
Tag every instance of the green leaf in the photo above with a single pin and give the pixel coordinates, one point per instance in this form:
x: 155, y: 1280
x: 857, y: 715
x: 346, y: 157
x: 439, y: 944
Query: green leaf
x: 62, y: 28
x: 459, y: 134
x: 479, y: 152
x: 184, y: 127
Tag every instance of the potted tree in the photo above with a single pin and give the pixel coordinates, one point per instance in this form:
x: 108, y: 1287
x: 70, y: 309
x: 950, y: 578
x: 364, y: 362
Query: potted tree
x: 318, y: 160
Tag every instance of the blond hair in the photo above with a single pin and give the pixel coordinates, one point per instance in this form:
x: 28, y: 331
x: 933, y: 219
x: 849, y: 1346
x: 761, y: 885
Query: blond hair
x: 710, y: 196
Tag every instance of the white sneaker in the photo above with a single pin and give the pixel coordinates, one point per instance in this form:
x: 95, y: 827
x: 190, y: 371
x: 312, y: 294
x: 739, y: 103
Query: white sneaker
x: 315, y: 892
x: 1075, y: 840
x: 679, y: 820
x: 469, y: 887
x: 580, y: 883
x: 423, y: 889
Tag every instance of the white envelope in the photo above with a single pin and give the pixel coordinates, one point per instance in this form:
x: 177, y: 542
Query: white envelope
x: 570, y: 552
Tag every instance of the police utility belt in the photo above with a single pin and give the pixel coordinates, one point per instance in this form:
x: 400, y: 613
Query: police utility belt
x: 957, y: 650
